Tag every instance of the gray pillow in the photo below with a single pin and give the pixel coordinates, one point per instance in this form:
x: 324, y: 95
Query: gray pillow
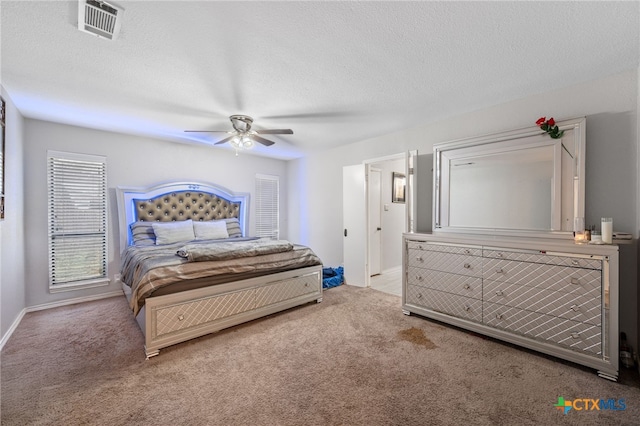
x: 233, y: 227
x: 173, y: 232
x: 142, y: 234
x: 210, y: 230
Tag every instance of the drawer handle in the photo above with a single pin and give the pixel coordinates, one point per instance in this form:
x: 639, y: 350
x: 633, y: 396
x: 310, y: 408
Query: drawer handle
x: 575, y: 335
x: 499, y: 271
x: 467, y: 252
x: 467, y: 266
x: 467, y: 308
x: 306, y: 284
x: 180, y: 317
x: 499, y: 316
x: 500, y: 255
x: 467, y: 286
x: 575, y: 262
x: 420, y: 246
x: 419, y: 258
x: 419, y: 295
x: 499, y: 293
x: 575, y: 308
x: 420, y: 278
x: 575, y: 281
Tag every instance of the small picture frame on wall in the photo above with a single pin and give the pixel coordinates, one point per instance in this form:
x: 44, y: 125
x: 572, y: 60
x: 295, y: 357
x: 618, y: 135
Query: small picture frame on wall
x: 398, y: 187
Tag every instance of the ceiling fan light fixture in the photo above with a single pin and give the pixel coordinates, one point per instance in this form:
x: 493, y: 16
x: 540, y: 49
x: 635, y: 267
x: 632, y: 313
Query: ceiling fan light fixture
x: 247, y: 142
x: 236, y: 142
x: 241, y: 141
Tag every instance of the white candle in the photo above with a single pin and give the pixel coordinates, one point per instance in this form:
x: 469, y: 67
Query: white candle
x: 607, y: 230
x: 578, y: 230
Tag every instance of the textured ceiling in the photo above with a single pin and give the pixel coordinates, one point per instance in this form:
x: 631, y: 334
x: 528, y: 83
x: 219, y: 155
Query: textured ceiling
x: 334, y: 72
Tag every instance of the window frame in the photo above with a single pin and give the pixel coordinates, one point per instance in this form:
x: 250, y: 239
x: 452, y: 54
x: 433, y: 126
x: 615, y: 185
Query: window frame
x: 99, y: 164
x: 266, y: 215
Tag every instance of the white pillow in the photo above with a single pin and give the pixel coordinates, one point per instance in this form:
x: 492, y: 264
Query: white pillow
x: 210, y: 230
x: 173, y: 232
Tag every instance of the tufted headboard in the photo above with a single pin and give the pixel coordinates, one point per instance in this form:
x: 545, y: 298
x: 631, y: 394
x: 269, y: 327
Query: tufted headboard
x: 178, y: 201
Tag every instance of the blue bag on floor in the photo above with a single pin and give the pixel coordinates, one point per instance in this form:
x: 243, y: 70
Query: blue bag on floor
x: 332, y: 277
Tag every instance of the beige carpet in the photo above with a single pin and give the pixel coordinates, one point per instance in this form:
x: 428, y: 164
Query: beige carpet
x: 353, y: 359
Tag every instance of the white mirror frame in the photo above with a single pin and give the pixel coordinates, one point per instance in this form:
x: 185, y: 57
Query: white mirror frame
x: 570, y: 170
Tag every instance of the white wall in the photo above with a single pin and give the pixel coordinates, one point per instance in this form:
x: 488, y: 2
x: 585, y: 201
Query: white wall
x: 131, y: 161
x: 12, y: 253
x: 611, y: 107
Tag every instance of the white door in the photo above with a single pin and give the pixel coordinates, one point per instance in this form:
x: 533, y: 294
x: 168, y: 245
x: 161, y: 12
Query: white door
x: 412, y: 191
x: 354, y: 225
x: 375, y: 221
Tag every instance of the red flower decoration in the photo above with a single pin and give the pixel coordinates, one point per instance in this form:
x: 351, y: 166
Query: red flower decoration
x: 549, y: 126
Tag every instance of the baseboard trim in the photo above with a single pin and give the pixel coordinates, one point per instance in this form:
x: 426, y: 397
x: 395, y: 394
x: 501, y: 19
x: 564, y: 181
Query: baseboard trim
x: 13, y: 327
x: 52, y: 305
x: 74, y: 301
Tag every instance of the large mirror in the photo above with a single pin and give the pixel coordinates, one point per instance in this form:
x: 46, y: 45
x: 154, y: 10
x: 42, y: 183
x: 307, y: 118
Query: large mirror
x: 521, y: 182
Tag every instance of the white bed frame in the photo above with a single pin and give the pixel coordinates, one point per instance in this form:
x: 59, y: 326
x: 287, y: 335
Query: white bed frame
x: 174, y: 318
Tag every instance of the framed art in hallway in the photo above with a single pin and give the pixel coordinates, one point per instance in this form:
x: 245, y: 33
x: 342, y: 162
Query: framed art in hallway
x: 398, y: 186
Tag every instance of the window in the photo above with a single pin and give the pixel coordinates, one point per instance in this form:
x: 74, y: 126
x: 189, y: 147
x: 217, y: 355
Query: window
x: 77, y: 201
x: 267, y: 206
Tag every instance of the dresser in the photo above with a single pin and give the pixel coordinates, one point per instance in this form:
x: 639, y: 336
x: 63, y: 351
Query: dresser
x: 549, y: 295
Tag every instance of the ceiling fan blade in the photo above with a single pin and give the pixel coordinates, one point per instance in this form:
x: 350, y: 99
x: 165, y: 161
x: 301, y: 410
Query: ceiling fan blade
x: 275, y: 132
x: 313, y: 115
x: 224, y: 140
x: 208, y: 131
x: 263, y: 141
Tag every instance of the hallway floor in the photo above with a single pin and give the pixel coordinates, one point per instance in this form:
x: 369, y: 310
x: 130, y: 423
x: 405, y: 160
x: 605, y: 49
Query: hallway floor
x: 390, y: 281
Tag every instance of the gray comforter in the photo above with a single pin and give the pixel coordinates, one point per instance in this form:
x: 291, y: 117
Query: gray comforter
x: 148, y: 268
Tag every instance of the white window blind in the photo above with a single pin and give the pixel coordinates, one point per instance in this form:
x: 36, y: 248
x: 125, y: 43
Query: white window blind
x: 77, y: 200
x: 267, y: 206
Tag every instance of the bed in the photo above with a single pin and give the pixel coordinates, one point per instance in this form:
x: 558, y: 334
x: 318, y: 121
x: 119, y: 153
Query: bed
x: 183, y: 285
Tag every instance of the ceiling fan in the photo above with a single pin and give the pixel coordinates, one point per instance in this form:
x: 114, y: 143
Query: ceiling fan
x: 242, y: 137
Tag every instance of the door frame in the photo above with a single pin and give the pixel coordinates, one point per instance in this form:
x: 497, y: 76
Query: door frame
x: 368, y: 165
x: 371, y: 211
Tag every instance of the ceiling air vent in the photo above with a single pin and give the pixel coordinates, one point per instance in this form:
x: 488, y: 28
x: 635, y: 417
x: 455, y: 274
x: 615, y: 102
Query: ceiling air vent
x: 99, y: 18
